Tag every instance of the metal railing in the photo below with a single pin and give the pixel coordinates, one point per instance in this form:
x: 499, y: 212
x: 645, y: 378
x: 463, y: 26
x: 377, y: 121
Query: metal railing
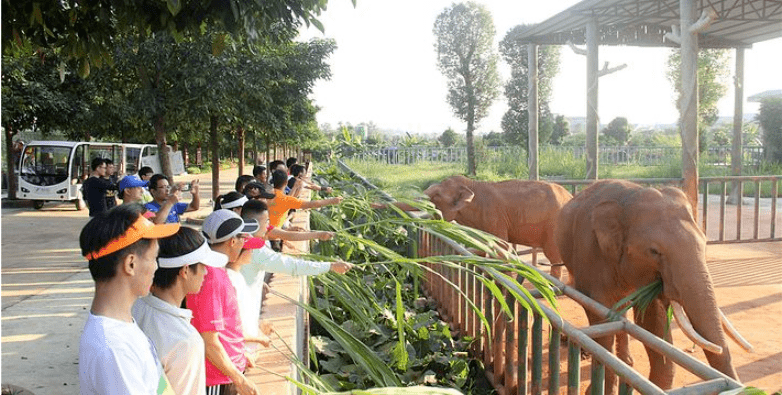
x: 513, y: 340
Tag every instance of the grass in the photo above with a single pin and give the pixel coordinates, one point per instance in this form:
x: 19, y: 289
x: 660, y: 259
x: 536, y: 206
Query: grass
x: 410, y: 180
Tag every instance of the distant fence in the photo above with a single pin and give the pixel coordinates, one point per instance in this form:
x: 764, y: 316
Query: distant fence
x: 614, y: 155
x: 755, y: 218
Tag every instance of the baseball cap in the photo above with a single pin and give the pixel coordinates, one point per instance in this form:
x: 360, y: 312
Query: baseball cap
x: 131, y: 182
x: 259, y: 186
x: 202, y: 254
x: 224, y: 224
x: 141, y: 229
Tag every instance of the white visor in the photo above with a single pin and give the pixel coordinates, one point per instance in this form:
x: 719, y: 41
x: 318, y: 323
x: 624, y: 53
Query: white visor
x: 234, y: 204
x: 203, y: 254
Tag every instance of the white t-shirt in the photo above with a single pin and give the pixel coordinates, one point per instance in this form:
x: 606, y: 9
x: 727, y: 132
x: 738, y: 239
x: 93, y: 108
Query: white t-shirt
x: 115, y: 357
x: 249, y: 297
x: 178, y: 343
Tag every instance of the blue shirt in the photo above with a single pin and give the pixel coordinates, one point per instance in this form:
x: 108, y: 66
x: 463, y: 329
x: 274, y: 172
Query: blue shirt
x: 173, y: 215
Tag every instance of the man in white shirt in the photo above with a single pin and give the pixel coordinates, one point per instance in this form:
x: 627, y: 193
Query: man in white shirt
x: 115, y: 357
x: 182, y: 265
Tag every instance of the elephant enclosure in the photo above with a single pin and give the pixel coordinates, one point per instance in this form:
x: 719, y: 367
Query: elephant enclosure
x: 748, y: 283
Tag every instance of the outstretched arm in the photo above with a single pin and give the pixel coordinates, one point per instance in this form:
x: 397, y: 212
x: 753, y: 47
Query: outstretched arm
x: 281, y: 234
x: 322, y: 203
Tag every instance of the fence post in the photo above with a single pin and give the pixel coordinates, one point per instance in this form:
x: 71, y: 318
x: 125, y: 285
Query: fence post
x: 573, y: 369
x: 537, y: 354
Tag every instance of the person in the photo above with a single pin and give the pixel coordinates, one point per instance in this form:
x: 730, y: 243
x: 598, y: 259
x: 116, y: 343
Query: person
x: 96, y: 186
x: 231, y: 201
x: 256, y: 190
x: 131, y: 189
x: 216, y: 311
x: 282, y: 203
x: 182, y: 264
x: 166, y: 203
x: 111, y: 175
x: 259, y: 172
x: 253, y: 209
x: 290, y: 162
x: 145, y: 174
x: 297, y: 182
x: 247, y: 275
x: 115, y: 357
x: 241, y: 181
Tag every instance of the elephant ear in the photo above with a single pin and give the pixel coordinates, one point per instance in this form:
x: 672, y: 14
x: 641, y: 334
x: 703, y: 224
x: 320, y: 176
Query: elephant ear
x: 464, y: 196
x: 608, y: 228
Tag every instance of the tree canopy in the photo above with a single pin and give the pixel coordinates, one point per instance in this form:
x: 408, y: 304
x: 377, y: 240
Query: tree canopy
x: 515, y: 122
x: 88, y: 30
x: 617, y: 132
x: 465, y: 55
x: 713, y: 72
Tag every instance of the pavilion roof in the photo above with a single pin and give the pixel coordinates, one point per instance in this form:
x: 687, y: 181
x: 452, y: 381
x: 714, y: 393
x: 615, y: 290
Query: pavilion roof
x: 739, y: 23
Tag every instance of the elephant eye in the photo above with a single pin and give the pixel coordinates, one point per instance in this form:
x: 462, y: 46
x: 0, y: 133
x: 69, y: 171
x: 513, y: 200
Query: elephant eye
x: 654, y: 251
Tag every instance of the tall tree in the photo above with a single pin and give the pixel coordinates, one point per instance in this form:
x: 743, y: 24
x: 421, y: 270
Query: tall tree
x: 617, y: 131
x: 561, y: 129
x: 448, y: 138
x: 770, y: 118
x: 466, y: 56
x: 515, y: 122
x: 713, y: 73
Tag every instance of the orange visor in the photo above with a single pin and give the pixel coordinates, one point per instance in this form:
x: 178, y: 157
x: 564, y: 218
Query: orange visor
x: 141, y: 229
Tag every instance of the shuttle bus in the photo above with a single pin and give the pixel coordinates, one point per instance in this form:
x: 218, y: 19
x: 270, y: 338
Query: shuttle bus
x: 55, y: 170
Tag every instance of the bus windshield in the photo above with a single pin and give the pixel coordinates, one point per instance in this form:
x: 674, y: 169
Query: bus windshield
x: 45, y: 165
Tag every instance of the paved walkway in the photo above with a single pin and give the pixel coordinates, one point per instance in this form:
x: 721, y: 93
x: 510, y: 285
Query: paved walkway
x: 47, y: 291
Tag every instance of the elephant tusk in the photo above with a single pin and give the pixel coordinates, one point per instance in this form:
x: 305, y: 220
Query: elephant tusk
x: 734, y: 334
x: 689, y: 331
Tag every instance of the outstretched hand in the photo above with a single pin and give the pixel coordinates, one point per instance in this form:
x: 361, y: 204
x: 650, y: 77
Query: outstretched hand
x: 325, y: 235
x: 341, y: 267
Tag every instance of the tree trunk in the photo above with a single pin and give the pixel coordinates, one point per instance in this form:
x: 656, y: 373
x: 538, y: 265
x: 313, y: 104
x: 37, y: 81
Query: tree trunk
x: 9, y: 159
x: 268, y: 148
x: 185, y: 155
x: 215, y: 157
x: 199, y: 158
x: 240, y: 135
x: 160, y: 139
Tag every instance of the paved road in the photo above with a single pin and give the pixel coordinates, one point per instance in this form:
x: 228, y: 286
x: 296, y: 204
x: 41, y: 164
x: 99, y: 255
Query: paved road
x: 47, y: 291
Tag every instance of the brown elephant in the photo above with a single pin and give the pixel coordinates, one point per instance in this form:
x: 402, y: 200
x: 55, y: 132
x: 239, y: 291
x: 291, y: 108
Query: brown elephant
x: 615, y: 237
x: 517, y: 211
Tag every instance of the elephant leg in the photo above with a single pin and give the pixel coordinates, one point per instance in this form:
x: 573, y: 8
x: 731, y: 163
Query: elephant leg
x: 655, y: 320
x: 623, y: 348
x: 552, y: 253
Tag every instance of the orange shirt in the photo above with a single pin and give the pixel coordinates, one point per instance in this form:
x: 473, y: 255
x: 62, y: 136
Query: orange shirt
x: 279, y: 207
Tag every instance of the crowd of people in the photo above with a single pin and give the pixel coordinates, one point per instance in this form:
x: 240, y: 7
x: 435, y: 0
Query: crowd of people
x: 177, y: 310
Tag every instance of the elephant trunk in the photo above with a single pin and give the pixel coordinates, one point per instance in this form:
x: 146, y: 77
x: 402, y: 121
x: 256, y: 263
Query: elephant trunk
x: 689, y: 284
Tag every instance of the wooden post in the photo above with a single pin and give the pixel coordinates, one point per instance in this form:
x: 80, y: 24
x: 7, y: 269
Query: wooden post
x: 736, y: 155
x: 592, y: 116
x: 533, y: 110
x: 689, y: 103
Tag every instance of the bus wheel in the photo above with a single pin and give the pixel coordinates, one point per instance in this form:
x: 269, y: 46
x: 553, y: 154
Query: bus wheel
x: 38, y: 204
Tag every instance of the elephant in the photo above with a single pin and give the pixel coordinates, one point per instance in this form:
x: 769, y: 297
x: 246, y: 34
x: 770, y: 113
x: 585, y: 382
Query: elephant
x: 517, y: 211
x: 615, y: 237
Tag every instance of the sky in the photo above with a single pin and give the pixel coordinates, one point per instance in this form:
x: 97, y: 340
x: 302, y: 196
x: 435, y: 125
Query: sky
x: 384, y: 70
